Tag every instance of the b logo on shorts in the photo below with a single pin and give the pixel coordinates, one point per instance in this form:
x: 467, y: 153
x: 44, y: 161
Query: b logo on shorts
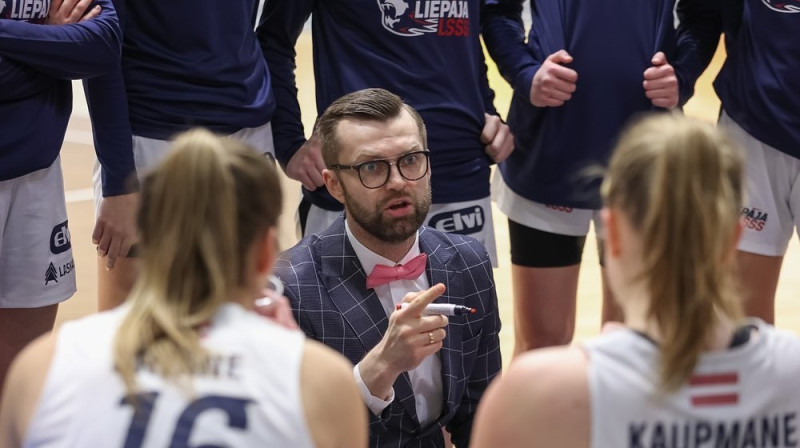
x: 60, y: 240
x: 464, y: 221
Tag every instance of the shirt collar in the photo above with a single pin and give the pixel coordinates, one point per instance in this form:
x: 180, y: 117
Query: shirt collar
x: 369, y: 259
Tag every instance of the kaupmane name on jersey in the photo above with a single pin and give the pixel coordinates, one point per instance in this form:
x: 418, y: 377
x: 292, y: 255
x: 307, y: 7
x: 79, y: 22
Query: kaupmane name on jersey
x: 419, y: 17
x: 778, y: 430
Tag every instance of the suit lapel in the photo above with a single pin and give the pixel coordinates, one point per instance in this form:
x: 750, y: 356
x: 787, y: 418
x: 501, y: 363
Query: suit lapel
x: 345, y: 280
x: 439, y: 256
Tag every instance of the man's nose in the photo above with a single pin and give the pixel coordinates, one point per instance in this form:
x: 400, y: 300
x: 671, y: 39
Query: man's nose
x: 396, y: 180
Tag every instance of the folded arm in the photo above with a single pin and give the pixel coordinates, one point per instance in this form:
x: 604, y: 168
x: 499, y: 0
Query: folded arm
x: 75, y: 51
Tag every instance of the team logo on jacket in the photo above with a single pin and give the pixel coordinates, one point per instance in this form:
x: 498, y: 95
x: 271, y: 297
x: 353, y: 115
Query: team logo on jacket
x: 419, y: 17
x: 464, y: 221
x: 34, y: 11
x: 788, y: 6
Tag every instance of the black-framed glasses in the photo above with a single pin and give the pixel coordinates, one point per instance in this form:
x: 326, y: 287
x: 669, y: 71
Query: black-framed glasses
x: 375, y: 173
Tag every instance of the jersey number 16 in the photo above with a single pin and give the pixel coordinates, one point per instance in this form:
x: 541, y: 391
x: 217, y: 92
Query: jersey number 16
x: 143, y: 404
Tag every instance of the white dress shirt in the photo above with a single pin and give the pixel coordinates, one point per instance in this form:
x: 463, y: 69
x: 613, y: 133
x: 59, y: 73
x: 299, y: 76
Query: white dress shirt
x: 426, y: 379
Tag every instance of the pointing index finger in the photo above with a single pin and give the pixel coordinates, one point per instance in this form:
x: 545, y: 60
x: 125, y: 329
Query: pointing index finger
x: 417, y: 306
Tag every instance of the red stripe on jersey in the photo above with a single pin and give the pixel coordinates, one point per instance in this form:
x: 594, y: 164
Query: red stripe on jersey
x: 714, y: 380
x: 715, y: 400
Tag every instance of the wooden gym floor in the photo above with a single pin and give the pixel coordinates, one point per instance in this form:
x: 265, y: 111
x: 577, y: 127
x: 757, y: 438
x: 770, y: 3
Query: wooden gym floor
x: 78, y: 158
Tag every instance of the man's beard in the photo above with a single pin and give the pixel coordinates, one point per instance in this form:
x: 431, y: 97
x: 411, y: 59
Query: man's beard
x: 388, y: 229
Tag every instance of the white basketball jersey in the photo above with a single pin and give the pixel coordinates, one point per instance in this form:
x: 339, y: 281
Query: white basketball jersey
x: 746, y: 396
x: 247, y: 396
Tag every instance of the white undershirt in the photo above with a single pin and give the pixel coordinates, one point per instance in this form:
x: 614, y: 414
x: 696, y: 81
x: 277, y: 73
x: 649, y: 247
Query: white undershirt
x: 426, y: 379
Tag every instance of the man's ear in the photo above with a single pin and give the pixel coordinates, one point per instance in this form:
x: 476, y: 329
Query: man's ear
x: 333, y: 184
x: 612, y: 232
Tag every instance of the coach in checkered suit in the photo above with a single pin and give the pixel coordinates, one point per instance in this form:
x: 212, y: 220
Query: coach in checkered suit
x: 417, y: 373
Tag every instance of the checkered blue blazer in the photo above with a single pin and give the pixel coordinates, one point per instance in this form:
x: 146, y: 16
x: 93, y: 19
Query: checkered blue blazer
x: 326, y: 286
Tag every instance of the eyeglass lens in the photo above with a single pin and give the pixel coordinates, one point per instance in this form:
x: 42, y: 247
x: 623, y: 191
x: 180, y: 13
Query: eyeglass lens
x: 375, y: 174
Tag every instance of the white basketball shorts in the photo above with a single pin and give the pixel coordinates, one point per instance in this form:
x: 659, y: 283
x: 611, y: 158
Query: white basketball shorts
x: 771, y: 211
x: 36, y: 264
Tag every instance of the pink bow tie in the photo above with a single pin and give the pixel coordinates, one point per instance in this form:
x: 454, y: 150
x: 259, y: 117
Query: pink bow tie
x: 383, y: 274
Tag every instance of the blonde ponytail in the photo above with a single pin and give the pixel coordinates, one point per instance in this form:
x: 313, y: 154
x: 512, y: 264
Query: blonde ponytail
x: 679, y: 182
x: 200, y: 212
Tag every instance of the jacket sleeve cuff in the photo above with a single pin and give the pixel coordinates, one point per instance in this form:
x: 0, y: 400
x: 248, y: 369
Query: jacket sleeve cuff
x: 375, y: 404
x: 522, y: 84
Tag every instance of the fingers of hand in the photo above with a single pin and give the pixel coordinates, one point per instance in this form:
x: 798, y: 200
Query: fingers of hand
x: 410, y: 296
x: 502, y: 145
x: 564, y: 73
x: 661, y: 93
x: 407, y: 341
x: 78, y: 10
x: 665, y: 103
x: 306, y: 166
x: 316, y: 164
x: 67, y: 11
x: 662, y: 71
x: 97, y: 233
x: 553, y: 85
x: 490, y: 128
x: 125, y: 247
x: 55, y: 6
x: 92, y: 13
x: 430, y: 337
x: 418, y: 304
x: 666, y: 97
x: 659, y: 58
x: 66, y: 7
x: 669, y: 82
x: 310, y: 179
x: 316, y: 176
x: 104, y: 244
x: 661, y: 86
x: 430, y: 323
x: 113, y: 252
x: 560, y: 57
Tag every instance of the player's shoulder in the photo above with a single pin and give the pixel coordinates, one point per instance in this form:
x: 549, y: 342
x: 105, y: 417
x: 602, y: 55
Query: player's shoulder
x: 777, y: 341
x: 556, y: 404
x: 236, y: 326
x: 562, y: 381
x: 94, y: 328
